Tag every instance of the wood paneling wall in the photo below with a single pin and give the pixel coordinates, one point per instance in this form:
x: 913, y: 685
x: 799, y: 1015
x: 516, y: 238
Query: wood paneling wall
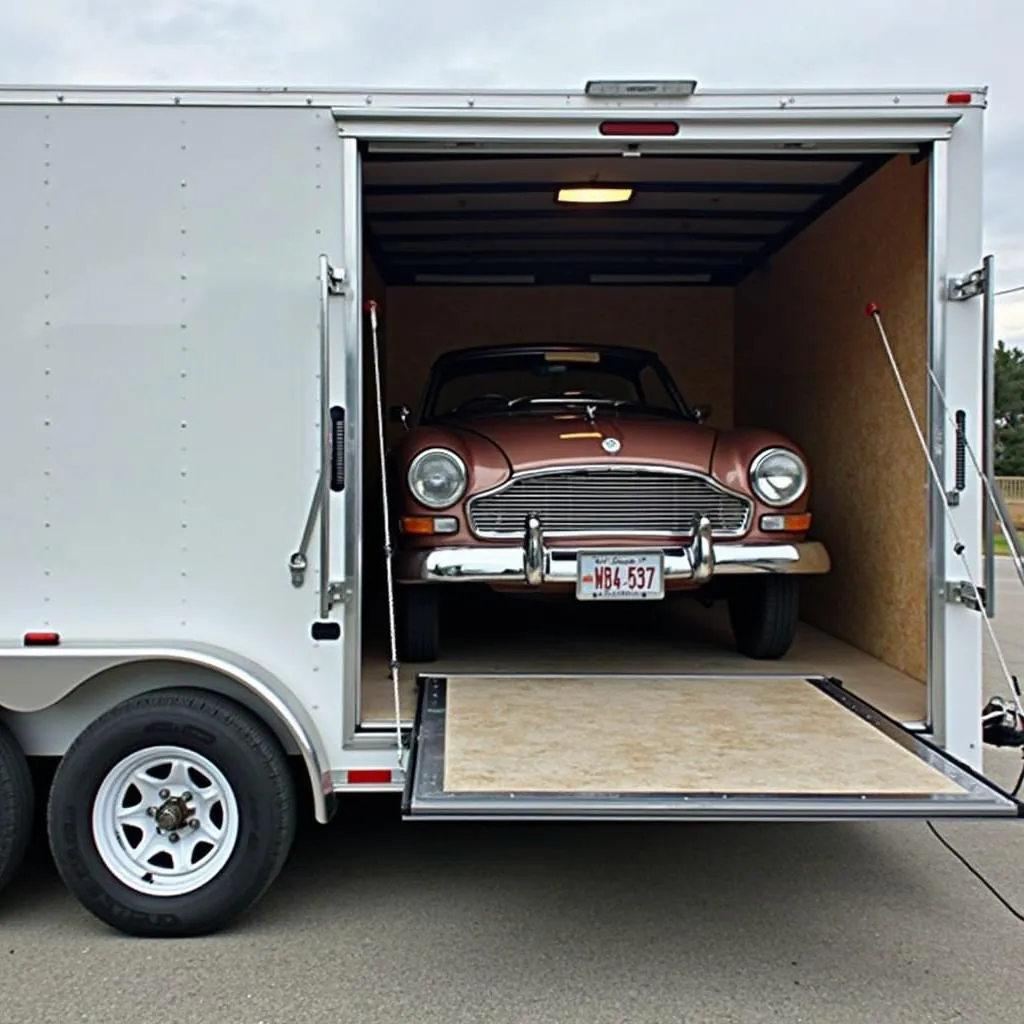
x: 809, y: 362
x: 690, y: 328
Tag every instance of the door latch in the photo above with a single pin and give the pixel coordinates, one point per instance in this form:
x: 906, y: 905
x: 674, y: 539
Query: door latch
x: 336, y: 279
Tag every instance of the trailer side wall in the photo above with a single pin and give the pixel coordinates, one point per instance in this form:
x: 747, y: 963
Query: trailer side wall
x: 159, y: 407
x: 809, y: 362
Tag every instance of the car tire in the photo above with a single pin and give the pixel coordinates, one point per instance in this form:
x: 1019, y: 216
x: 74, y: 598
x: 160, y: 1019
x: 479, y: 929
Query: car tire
x: 418, y: 624
x: 17, y: 806
x: 764, y: 612
x: 163, y: 748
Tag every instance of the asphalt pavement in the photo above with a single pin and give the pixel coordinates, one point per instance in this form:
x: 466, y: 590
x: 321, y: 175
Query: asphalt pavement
x: 375, y: 920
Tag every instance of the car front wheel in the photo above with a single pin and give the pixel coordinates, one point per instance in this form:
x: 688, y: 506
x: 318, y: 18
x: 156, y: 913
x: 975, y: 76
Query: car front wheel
x: 171, y: 814
x: 764, y: 612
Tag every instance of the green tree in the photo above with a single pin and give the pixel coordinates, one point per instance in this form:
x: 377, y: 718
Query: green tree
x: 1009, y: 411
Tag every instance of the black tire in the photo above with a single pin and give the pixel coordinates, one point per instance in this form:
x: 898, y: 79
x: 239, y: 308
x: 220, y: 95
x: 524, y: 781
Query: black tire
x: 17, y: 806
x: 235, y: 743
x: 418, y: 623
x: 764, y: 612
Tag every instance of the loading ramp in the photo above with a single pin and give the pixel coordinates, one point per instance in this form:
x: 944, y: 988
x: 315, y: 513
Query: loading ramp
x: 677, y: 747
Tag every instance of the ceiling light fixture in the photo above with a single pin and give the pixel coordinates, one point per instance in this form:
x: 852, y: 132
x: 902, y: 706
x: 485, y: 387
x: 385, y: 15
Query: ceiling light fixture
x: 594, y: 194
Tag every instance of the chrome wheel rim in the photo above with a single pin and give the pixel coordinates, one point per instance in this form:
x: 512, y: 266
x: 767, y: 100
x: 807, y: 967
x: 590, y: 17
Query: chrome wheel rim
x: 165, y: 821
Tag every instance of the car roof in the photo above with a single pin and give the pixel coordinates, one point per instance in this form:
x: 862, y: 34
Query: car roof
x: 493, y: 351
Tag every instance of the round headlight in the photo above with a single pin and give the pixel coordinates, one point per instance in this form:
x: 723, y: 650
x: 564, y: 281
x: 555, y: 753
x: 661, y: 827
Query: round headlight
x: 437, y: 478
x: 778, y: 476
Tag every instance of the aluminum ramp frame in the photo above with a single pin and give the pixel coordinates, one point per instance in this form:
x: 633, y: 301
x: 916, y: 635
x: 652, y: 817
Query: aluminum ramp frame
x: 937, y: 785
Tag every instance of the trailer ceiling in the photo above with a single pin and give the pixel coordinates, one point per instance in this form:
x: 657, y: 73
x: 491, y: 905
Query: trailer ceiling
x: 692, y: 219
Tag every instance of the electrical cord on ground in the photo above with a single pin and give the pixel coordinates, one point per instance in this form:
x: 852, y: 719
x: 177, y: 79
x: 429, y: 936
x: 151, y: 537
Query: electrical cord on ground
x: 1016, y: 786
x: 974, y: 871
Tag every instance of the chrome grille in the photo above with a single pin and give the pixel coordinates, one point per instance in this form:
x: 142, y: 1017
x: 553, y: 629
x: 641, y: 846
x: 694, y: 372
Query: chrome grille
x: 622, y: 501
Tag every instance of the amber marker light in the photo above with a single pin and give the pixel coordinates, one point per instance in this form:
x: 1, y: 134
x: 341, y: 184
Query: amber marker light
x: 796, y: 523
x: 427, y: 526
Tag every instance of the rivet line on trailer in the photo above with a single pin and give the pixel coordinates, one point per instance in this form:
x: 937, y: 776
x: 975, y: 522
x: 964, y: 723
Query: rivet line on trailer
x: 371, y: 307
x: 875, y: 314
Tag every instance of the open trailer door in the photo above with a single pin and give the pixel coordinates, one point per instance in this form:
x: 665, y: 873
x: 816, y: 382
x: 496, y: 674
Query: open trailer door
x: 675, y: 747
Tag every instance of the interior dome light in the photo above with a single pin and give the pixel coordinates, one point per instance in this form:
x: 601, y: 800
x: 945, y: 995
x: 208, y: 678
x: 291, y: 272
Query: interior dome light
x: 594, y: 194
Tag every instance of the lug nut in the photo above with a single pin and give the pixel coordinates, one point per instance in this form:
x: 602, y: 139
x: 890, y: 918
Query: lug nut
x: 164, y: 794
x: 186, y: 797
x: 194, y: 823
x: 174, y: 837
x: 151, y: 811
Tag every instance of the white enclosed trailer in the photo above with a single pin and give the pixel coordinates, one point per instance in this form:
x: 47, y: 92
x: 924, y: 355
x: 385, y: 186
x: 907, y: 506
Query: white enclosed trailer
x: 187, y: 390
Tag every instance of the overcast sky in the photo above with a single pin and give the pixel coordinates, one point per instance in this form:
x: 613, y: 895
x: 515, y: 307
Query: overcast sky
x: 556, y: 43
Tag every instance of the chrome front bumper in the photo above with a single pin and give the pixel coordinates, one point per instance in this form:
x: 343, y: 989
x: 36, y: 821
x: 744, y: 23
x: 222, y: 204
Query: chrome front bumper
x: 535, y: 564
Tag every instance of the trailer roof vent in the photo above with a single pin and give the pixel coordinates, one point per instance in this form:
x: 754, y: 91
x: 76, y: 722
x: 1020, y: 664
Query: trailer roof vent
x: 624, y: 89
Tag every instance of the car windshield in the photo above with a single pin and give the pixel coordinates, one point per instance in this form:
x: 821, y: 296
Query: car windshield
x: 486, y: 383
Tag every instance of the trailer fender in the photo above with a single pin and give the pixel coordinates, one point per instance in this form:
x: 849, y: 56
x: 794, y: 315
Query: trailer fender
x: 37, y: 678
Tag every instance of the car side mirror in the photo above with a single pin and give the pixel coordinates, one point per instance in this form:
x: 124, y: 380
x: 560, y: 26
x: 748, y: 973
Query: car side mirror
x: 400, y: 414
x: 701, y: 413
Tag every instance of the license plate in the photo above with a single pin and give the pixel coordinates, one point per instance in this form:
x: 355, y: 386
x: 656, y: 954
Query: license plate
x: 620, y: 576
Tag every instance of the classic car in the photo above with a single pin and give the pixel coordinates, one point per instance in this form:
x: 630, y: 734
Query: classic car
x: 583, y: 471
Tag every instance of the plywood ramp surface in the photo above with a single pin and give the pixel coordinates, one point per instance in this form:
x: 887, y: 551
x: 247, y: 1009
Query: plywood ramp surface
x: 647, y: 734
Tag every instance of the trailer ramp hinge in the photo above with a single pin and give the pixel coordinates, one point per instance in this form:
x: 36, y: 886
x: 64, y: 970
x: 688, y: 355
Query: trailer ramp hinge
x: 963, y: 592
x: 339, y: 593
x: 968, y: 286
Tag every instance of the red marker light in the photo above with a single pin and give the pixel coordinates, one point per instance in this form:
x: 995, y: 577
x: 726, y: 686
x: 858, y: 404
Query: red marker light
x: 872, y: 309
x: 369, y: 776
x: 41, y: 639
x: 639, y: 128
x: 959, y: 97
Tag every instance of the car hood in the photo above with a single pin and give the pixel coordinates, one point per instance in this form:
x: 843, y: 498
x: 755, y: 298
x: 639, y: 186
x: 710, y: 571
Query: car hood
x: 535, y: 440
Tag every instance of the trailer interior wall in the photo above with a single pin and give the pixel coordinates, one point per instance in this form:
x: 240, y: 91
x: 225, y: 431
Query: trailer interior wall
x: 374, y: 595
x: 690, y: 328
x: 809, y: 363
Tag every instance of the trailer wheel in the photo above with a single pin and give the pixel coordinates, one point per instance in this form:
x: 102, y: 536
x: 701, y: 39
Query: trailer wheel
x: 172, y: 814
x: 418, y: 623
x: 764, y: 612
x: 17, y: 804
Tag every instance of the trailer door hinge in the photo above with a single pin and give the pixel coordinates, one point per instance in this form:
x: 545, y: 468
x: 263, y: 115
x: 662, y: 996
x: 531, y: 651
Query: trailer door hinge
x: 339, y: 593
x: 336, y: 280
x: 967, y: 286
x: 963, y: 592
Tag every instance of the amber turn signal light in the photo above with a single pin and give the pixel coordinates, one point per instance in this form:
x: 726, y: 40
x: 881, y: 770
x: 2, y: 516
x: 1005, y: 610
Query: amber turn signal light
x: 426, y: 526
x: 797, y: 523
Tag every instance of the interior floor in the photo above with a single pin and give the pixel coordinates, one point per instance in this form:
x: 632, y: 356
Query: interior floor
x: 485, y: 632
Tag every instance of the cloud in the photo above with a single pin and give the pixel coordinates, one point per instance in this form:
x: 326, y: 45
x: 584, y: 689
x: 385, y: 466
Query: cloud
x: 540, y: 43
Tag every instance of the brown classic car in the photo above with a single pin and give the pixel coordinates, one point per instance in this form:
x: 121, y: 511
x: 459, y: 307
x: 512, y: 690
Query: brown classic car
x: 584, y: 471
